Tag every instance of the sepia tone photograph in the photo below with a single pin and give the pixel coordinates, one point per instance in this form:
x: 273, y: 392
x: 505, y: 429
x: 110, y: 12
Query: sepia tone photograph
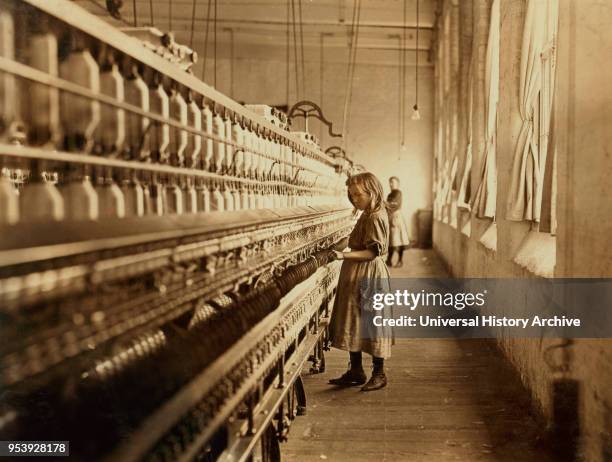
x: 306, y: 230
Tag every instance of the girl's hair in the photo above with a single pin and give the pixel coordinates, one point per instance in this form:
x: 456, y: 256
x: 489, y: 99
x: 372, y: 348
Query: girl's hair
x: 368, y: 182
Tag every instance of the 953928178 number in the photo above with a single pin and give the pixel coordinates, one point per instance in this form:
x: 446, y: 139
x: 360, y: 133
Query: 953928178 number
x: 34, y: 448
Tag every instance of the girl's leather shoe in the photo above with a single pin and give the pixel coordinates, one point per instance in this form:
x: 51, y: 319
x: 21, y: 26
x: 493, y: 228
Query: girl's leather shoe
x: 350, y: 378
x: 376, y: 382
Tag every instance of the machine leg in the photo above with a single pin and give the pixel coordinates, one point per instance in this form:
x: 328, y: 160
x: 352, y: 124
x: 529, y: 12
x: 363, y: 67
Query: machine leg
x: 291, y: 407
x: 322, y: 363
x: 300, y: 394
x: 270, y: 447
x: 281, y: 372
x: 314, y: 359
x: 326, y: 340
x: 282, y: 428
x: 250, y: 415
x: 318, y: 357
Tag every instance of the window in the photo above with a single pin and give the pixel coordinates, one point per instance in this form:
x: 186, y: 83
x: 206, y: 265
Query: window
x: 546, y: 145
x: 535, y: 140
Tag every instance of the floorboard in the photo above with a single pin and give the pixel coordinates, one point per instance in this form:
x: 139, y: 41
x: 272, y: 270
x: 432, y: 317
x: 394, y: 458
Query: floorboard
x: 447, y: 400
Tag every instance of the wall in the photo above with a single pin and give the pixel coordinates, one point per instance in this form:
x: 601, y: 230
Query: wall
x: 584, y: 208
x: 585, y: 205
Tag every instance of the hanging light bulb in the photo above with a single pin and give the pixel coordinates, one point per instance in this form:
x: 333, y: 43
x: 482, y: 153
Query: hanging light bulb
x: 415, y: 108
x: 403, y: 149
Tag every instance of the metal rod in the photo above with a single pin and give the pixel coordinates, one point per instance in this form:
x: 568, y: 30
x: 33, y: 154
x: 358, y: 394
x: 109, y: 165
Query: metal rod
x: 321, y: 75
x: 302, y: 51
x: 416, y: 68
x: 351, y: 71
x: 348, y: 72
x: 9, y: 150
x: 215, y: 40
x: 364, y: 43
x: 331, y: 23
x: 287, y: 52
x: 404, y: 73
x: 231, y: 32
x: 400, y: 101
x: 295, y: 53
x: 193, y: 14
x: 259, y: 229
x: 206, y: 41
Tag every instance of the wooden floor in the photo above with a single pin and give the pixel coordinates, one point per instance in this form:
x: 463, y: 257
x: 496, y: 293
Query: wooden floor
x: 447, y: 400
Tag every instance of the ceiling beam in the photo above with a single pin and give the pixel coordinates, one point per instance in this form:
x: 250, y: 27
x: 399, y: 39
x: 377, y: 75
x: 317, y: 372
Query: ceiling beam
x: 271, y: 22
x: 363, y: 44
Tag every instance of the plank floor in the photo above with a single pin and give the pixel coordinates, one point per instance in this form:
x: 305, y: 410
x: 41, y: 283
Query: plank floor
x: 447, y: 400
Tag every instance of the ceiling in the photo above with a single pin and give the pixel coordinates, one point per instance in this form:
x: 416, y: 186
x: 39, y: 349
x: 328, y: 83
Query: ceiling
x: 263, y: 24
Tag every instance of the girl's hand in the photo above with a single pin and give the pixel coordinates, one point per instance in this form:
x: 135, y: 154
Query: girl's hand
x: 335, y: 255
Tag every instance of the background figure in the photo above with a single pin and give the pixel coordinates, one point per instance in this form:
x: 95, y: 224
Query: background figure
x: 399, y: 238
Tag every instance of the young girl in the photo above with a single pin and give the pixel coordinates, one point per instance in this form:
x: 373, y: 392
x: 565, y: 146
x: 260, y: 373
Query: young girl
x: 352, y: 326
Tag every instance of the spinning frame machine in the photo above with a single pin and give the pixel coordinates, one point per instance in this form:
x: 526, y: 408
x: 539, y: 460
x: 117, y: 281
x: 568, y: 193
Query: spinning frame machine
x: 163, y: 261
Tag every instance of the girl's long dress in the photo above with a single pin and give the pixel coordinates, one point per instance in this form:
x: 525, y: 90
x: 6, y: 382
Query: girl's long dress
x: 351, y: 327
x: 399, y: 234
